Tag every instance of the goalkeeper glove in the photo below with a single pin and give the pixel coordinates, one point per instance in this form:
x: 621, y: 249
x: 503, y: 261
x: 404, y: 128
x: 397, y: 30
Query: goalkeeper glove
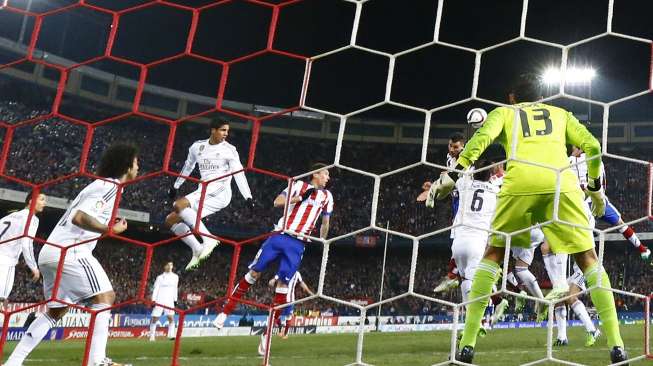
x: 433, y: 192
x: 172, y: 193
x: 595, y: 192
x: 307, y: 194
x: 446, y: 185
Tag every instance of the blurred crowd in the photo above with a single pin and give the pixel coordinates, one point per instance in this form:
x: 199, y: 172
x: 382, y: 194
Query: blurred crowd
x: 48, y: 148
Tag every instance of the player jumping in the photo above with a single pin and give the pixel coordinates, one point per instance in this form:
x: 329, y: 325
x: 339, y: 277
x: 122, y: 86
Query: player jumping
x: 164, y: 293
x: 454, y: 147
x: 215, y: 158
x: 82, y: 277
x: 307, y: 203
x: 13, y: 226
x: 527, y: 197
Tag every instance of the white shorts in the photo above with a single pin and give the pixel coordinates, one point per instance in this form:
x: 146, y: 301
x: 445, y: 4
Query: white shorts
x: 527, y: 254
x: 468, y: 251
x: 577, y: 278
x: 81, y: 279
x: 6, y: 280
x: 216, y: 198
x: 158, y: 311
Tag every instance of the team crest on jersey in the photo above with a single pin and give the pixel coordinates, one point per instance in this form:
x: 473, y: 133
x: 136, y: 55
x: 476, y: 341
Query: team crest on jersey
x: 201, y: 148
x: 99, y: 204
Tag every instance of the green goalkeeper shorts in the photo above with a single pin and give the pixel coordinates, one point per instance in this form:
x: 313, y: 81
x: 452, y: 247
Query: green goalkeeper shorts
x: 515, y: 213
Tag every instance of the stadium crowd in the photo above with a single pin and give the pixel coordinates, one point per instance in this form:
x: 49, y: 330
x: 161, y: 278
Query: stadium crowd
x: 52, y: 147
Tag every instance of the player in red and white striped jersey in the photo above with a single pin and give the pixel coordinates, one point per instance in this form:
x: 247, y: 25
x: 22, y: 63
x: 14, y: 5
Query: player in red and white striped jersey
x: 307, y: 203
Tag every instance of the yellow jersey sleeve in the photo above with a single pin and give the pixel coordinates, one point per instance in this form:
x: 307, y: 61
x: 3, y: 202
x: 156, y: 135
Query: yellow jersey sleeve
x: 578, y: 135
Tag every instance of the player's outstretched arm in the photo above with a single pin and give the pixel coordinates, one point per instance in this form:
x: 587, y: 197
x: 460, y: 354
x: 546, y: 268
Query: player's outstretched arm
x: 324, y: 228
x: 578, y: 135
x: 90, y: 223
x: 189, y: 166
x: 483, y: 137
x: 241, y: 180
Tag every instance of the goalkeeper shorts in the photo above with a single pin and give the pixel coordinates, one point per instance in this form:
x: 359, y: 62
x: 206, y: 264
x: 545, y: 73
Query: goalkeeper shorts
x: 518, y: 212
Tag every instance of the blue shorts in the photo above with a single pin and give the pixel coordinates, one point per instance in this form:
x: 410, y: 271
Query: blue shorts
x: 287, y: 311
x: 454, y: 204
x: 612, y: 215
x: 287, y: 249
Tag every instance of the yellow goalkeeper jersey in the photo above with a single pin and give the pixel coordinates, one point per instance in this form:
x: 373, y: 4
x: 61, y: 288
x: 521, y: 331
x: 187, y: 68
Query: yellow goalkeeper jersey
x: 543, y: 133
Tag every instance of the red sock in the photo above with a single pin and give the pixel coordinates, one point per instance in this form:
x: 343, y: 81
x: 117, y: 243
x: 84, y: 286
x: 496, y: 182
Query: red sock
x: 285, y: 329
x: 238, y: 293
x: 279, y: 299
x: 453, y: 269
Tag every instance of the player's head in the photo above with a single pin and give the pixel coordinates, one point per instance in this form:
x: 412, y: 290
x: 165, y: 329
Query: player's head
x: 41, y: 201
x: 525, y: 88
x: 456, y: 144
x: 320, y: 178
x: 168, y: 267
x: 484, y: 175
x: 219, y: 130
x: 499, y: 168
x: 119, y: 161
x: 576, y: 151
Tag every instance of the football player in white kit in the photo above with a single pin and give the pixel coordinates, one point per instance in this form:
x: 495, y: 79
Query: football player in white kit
x: 13, y: 226
x: 216, y: 158
x: 454, y: 148
x: 478, y: 198
x: 164, y: 293
x: 82, y: 277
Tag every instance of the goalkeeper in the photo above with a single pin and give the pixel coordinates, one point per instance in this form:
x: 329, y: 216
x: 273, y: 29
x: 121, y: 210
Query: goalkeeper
x: 527, y: 197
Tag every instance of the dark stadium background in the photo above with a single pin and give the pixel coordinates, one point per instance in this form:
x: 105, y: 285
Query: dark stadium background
x: 341, y: 83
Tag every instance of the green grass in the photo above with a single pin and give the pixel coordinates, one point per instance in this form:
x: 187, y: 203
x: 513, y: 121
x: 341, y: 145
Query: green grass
x: 500, y: 347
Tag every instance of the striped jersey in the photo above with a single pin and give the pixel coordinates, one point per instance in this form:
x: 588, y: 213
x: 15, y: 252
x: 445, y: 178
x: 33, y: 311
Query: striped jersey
x: 96, y: 200
x: 13, y: 226
x: 292, y: 285
x: 215, y: 161
x: 302, y: 216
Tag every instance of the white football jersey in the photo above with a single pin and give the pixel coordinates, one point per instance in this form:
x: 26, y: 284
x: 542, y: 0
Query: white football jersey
x: 165, y: 288
x: 478, y: 201
x: 96, y: 200
x: 215, y: 161
x: 13, y: 226
x: 581, y: 169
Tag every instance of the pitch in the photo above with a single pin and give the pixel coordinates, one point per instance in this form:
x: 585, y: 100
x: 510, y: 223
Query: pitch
x: 500, y: 347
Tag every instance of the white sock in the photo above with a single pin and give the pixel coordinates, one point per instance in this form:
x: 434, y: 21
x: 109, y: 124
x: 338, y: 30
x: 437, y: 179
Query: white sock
x: 189, y: 216
x: 153, y: 329
x: 171, y: 329
x: 181, y: 228
x: 100, y: 334
x: 555, y: 265
x: 465, y: 288
x: 528, y: 279
x: 581, y: 312
x: 33, y: 336
x: 561, y: 320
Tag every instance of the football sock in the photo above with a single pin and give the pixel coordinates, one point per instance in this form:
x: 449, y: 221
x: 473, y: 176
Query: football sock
x: 485, y: 277
x: 604, y: 302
